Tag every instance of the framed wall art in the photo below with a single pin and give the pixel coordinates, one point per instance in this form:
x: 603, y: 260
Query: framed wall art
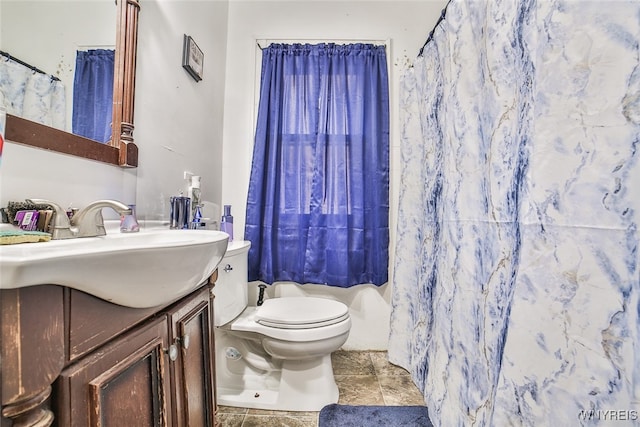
x: 192, y: 58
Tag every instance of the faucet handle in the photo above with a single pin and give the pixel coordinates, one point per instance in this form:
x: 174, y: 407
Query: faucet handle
x: 56, y: 207
x: 61, y: 227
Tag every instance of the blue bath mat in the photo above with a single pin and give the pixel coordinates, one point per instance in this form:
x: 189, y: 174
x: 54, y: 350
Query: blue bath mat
x: 370, y: 416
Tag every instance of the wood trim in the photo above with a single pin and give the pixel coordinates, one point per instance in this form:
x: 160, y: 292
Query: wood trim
x: 26, y: 132
x: 124, y: 82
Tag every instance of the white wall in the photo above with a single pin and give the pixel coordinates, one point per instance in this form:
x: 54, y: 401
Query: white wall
x: 405, y: 23
x: 70, y: 181
x: 179, y: 120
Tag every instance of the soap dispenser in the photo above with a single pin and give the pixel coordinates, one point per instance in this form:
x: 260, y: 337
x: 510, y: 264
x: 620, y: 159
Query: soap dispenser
x: 226, y: 223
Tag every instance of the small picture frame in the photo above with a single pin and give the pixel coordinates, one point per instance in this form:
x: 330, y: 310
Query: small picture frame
x: 192, y: 58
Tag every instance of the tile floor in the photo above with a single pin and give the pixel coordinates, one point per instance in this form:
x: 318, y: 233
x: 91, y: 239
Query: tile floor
x: 363, y: 378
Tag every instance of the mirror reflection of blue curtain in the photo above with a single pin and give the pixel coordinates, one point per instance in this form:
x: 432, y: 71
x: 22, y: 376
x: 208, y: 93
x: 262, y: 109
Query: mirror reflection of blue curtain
x: 93, y: 94
x: 318, y: 201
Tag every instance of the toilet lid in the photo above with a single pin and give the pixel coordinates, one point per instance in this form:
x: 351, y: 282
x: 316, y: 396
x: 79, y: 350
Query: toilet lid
x: 300, y: 312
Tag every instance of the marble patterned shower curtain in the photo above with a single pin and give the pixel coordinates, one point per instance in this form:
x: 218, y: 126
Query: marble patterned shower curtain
x: 516, y: 280
x: 32, y: 95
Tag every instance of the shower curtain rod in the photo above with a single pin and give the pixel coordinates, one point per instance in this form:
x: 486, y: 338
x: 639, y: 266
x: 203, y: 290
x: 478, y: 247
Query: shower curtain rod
x: 440, y: 19
x: 31, y: 67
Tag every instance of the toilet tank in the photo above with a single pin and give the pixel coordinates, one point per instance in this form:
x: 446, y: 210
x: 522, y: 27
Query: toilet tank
x: 231, y: 290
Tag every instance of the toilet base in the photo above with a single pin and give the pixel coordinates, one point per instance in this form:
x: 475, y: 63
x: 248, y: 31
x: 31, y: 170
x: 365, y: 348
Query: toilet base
x: 301, y: 385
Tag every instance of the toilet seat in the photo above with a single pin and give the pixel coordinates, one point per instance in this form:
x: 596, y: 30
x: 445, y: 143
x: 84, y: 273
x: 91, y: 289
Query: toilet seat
x: 302, y: 327
x: 300, y: 312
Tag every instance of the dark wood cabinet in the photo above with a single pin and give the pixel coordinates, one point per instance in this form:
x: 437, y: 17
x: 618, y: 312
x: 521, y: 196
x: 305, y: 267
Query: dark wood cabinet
x: 193, y: 368
x: 89, y: 363
x: 125, y: 383
x: 32, y: 354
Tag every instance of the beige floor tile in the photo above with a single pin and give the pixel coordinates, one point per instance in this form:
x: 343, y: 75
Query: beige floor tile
x: 230, y: 420
x: 399, y: 390
x: 359, y: 390
x: 280, y: 413
x: 352, y: 363
x: 383, y: 367
x: 279, y: 421
x: 231, y: 410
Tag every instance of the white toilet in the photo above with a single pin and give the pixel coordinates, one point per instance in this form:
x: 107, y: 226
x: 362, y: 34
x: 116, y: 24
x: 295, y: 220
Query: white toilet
x: 275, y: 356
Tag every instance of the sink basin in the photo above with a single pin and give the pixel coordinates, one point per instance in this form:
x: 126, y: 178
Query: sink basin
x: 144, y: 269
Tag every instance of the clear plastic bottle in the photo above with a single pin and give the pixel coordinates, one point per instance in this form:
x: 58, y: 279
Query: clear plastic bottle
x: 195, y: 194
x: 226, y: 223
x: 129, y: 223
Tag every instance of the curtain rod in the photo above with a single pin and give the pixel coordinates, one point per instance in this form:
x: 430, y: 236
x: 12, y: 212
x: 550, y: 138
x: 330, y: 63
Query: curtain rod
x: 440, y: 19
x: 379, y: 42
x: 96, y: 46
x: 29, y: 66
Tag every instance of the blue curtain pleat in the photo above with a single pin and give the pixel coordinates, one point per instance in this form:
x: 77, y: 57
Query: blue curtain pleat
x: 318, y: 200
x: 93, y: 94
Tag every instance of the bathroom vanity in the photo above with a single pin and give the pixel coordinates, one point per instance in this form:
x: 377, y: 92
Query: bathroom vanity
x: 71, y: 359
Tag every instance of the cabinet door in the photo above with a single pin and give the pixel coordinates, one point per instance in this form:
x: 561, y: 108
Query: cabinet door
x: 126, y: 383
x: 193, y: 372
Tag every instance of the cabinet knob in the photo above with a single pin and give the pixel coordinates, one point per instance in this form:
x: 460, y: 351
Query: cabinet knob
x: 185, y: 341
x: 172, y: 352
x: 228, y: 268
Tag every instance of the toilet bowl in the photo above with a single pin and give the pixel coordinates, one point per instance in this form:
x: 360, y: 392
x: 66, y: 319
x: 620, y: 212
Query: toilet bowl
x: 275, y: 356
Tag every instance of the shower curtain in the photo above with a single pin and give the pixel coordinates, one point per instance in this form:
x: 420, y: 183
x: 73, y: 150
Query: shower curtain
x: 32, y: 95
x: 516, y: 282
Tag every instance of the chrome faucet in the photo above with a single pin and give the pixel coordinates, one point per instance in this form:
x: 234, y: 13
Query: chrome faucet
x: 88, y: 222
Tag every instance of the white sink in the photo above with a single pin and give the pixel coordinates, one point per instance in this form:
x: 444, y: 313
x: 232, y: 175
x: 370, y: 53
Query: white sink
x: 144, y: 269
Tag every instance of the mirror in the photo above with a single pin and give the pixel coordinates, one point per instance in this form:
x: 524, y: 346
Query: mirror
x: 121, y: 149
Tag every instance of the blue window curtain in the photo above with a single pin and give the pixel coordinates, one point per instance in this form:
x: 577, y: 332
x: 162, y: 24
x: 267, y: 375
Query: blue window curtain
x: 93, y: 94
x: 318, y: 200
